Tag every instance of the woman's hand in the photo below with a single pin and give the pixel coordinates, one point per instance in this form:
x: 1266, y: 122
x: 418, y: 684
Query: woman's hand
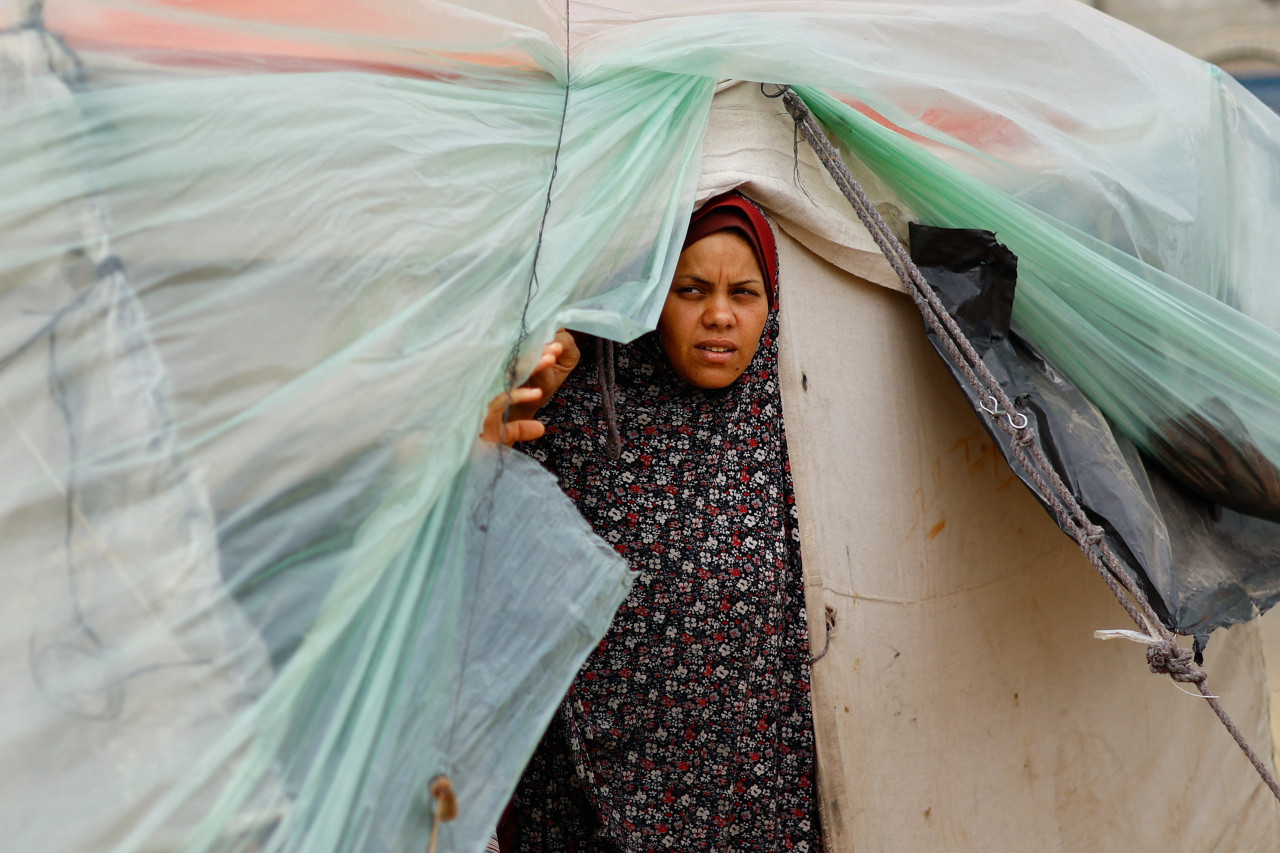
x: 520, y: 405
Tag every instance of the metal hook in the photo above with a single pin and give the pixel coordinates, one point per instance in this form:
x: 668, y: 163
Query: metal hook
x: 994, y: 409
x: 1014, y: 423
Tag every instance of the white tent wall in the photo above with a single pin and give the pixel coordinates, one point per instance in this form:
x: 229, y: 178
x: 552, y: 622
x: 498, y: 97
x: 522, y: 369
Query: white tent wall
x: 963, y: 703
x: 1269, y: 625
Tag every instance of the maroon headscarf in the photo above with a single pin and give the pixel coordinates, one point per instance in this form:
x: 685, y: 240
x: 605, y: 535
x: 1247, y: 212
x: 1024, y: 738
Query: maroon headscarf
x: 735, y: 212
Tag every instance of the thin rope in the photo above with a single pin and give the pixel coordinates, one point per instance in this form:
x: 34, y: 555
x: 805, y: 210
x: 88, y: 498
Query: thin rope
x: 1164, y: 655
x: 486, y: 511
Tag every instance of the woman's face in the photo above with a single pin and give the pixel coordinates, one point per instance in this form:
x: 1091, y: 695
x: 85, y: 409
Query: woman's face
x: 715, y: 311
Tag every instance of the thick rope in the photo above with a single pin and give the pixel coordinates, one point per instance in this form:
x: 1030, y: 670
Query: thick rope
x: 1164, y: 655
x: 606, y: 383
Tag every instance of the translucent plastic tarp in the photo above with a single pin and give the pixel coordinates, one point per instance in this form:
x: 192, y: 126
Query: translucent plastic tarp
x: 1187, y: 364
x: 263, y: 264
x: 259, y: 597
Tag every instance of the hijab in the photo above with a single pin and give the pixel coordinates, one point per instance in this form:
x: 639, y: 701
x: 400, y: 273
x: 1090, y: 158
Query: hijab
x: 733, y: 211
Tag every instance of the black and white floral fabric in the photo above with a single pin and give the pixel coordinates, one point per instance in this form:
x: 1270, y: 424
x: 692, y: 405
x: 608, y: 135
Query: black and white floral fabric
x: 689, y: 728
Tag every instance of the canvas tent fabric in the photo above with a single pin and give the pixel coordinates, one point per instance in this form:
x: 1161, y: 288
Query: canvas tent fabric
x: 263, y: 265
x: 963, y: 702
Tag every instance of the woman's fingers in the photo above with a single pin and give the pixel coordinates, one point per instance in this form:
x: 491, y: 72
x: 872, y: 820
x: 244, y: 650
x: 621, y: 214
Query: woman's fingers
x: 566, y: 340
x: 513, y: 399
x: 523, y: 394
x: 518, y: 404
x: 550, y: 355
x: 569, y: 356
x: 523, y: 431
x: 518, y: 407
x: 559, y: 358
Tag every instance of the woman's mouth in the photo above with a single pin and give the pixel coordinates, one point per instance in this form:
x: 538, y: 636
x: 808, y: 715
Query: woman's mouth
x: 716, y: 353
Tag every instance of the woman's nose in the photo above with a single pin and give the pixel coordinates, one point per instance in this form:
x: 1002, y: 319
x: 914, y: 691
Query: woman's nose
x: 718, y: 313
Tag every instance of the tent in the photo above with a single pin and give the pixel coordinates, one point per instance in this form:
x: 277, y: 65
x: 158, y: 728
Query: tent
x: 263, y: 268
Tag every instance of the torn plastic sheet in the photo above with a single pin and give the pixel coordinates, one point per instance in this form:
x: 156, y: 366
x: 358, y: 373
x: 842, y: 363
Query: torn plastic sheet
x: 258, y: 595
x: 1203, y: 566
x: 457, y: 657
x: 473, y: 649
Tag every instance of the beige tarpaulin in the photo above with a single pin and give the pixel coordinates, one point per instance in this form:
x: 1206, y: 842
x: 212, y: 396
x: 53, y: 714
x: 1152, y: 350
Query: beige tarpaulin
x: 963, y: 703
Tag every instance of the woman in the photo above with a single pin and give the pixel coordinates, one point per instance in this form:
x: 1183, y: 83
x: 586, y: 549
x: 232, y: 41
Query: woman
x: 689, y: 727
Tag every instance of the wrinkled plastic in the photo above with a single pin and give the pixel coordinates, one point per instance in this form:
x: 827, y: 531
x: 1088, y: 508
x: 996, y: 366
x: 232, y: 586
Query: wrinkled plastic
x: 262, y: 266
x: 1202, y: 567
x: 259, y: 596
x: 1189, y: 375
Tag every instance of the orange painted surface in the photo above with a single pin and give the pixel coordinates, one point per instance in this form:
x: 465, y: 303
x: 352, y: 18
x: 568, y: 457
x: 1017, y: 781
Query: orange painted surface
x: 984, y: 131
x: 380, y: 36
x: 279, y: 35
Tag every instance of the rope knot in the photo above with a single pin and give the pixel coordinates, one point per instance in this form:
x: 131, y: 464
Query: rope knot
x: 1093, y: 535
x: 1022, y: 437
x: 1168, y: 658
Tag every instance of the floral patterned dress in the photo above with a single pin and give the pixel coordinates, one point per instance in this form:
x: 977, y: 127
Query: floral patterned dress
x: 689, y: 727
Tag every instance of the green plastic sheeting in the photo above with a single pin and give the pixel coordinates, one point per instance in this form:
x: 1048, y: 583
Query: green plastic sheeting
x: 1193, y: 381
x: 263, y: 265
